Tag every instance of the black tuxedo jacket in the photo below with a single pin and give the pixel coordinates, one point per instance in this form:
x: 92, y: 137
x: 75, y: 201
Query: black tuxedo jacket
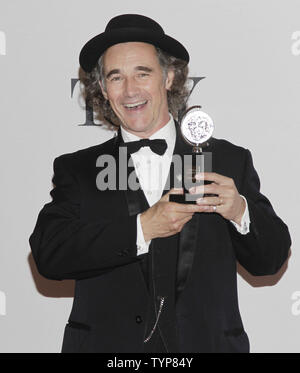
x: 90, y: 236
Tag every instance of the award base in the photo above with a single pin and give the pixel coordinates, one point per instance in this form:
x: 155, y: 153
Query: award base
x: 188, y: 198
x: 184, y: 198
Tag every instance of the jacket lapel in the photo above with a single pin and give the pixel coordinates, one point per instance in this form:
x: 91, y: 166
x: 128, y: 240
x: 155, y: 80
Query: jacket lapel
x: 188, y: 235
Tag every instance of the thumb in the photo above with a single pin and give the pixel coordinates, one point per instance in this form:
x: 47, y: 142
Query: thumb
x: 171, y: 191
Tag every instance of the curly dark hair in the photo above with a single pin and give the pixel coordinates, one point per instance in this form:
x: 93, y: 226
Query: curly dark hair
x: 177, y: 95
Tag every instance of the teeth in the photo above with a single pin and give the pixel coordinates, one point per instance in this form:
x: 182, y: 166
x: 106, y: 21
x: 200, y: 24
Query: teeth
x: 135, y: 104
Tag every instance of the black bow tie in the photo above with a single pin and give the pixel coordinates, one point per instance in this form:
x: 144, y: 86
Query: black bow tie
x: 158, y: 146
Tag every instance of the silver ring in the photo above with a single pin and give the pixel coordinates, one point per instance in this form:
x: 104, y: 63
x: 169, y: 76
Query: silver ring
x: 215, y: 208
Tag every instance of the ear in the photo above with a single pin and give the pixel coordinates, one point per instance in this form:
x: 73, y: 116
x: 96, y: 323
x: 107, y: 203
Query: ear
x: 103, y: 91
x: 169, y: 80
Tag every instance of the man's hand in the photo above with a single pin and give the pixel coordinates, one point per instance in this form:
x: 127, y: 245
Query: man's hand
x: 228, y: 203
x: 167, y: 218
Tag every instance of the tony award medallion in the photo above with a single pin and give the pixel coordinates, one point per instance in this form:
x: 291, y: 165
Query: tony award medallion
x: 196, y: 129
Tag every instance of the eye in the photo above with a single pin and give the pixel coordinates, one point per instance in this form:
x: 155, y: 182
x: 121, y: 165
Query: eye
x: 115, y: 78
x: 143, y: 75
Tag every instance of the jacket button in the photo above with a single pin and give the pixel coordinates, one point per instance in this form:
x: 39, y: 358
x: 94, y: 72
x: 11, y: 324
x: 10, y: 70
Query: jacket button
x: 138, y: 319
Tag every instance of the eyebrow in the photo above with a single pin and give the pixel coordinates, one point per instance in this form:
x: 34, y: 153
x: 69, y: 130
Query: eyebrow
x: 137, y: 68
x: 144, y: 68
x: 112, y: 72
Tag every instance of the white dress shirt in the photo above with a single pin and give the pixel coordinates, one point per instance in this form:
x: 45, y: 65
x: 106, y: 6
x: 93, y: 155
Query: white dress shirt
x: 152, y: 171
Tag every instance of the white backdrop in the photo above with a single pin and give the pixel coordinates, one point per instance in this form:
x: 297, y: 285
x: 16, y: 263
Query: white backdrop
x: 249, y: 52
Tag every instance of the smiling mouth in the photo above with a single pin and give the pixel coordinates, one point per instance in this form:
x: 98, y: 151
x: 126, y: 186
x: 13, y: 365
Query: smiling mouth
x: 136, y: 105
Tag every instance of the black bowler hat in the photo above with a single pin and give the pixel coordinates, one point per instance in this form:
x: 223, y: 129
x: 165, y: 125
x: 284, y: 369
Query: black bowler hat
x: 126, y: 28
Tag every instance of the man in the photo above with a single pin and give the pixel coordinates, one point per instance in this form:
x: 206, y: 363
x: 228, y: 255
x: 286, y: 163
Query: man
x: 152, y: 275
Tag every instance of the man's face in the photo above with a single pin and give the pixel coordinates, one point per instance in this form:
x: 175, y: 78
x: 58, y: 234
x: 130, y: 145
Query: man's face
x: 136, y: 88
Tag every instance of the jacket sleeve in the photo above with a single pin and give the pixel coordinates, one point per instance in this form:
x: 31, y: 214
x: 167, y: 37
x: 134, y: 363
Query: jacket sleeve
x: 65, y: 247
x: 265, y: 248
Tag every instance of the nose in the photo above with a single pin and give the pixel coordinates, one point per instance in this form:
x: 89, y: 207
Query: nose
x: 131, y: 88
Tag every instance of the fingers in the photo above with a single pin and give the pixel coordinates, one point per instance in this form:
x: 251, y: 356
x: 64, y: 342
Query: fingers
x: 181, y: 208
x: 215, y: 177
x: 210, y: 201
x: 208, y: 188
x: 175, y: 191
x: 174, y: 208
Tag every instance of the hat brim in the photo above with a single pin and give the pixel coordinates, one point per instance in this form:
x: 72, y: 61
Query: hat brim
x: 94, y: 48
